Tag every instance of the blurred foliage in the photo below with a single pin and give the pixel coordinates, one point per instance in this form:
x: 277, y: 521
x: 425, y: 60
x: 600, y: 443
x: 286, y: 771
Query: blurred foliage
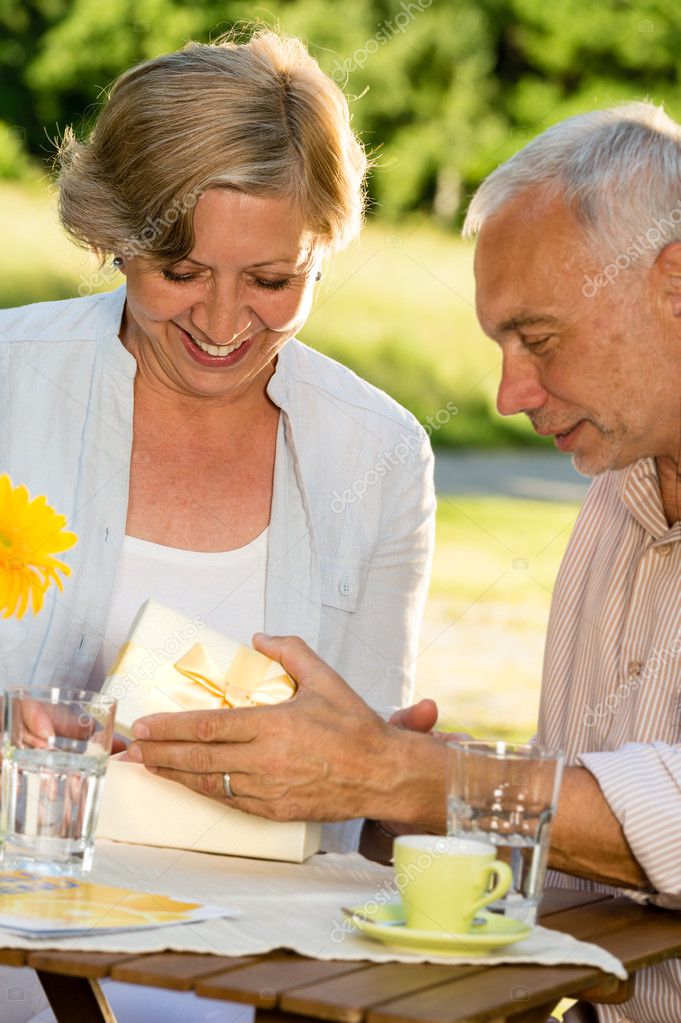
x: 444, y: 89
x: 14, y: 162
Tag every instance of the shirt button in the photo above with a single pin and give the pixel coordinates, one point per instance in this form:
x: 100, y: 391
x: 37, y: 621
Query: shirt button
x: 344, y: 586
x: 664, y: 550
x: 633, y: 668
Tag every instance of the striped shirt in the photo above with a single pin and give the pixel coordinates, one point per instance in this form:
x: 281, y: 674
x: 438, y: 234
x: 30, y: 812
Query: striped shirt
x: 612, y: 686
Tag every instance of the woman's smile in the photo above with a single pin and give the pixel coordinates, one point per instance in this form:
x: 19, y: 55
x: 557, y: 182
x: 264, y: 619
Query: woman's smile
x: 215, y: 355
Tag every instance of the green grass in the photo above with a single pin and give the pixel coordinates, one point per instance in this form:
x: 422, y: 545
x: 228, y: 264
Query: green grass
x: 397, y: 307
x: 481, y: 649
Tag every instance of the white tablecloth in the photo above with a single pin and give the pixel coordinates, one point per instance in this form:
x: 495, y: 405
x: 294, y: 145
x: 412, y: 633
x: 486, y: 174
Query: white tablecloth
x: 282, y: 905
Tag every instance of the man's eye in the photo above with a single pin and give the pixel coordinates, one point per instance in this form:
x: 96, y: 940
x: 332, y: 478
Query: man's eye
x: 536, y: 344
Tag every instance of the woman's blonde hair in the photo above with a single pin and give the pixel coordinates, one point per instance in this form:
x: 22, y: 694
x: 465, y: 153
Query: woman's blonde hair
x: 260, y: 117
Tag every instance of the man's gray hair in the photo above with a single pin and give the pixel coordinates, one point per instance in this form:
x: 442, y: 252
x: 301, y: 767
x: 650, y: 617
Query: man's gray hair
x: 618, y: 169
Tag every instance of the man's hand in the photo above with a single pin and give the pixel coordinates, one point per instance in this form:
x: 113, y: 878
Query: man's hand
x: 323, y: 755
x: 420, y: 717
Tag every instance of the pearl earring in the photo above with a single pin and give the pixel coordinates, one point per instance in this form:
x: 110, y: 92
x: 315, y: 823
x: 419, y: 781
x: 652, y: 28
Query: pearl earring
x: 118, y: 261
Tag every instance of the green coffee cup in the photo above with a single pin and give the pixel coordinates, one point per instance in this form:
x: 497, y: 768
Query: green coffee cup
x: 444, y: 882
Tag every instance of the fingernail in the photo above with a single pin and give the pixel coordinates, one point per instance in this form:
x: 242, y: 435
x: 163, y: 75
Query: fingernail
x: 152, y: 770
x: 261, y: 635
x: 135, y: 754
x: 140, y: 730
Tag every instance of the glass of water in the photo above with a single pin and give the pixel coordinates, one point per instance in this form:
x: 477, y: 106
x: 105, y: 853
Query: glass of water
x: 56, y: 744
x: 506, y: 794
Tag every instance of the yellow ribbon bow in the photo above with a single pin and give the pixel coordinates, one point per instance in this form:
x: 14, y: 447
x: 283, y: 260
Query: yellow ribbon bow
x: 248, y: 682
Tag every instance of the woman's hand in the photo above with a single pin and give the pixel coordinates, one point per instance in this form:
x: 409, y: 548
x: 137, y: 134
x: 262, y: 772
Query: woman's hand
x: 323, y: 755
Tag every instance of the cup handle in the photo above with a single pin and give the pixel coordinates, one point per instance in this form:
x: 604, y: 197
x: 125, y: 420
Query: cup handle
x: 504, y: 880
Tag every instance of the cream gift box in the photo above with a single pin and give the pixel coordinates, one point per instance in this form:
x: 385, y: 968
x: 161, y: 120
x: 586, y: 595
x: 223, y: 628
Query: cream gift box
x: 171, y: 663
x: 144, y: 809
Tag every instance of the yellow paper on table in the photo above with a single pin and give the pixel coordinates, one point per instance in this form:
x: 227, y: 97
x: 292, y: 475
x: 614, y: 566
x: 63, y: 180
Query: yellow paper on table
x: 171, y: 663
x: 52, y: 906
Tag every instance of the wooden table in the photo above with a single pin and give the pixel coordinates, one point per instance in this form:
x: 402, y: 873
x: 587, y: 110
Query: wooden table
x: 287, y: 988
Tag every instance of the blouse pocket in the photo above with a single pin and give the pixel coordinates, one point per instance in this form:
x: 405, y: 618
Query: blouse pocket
x: 342, y: 582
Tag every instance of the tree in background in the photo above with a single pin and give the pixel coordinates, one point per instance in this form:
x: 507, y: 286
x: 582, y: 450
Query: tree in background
x: 444, y: 89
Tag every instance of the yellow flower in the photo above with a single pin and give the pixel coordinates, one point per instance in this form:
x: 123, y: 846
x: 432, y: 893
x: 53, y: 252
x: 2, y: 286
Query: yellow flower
x: 30, y: 534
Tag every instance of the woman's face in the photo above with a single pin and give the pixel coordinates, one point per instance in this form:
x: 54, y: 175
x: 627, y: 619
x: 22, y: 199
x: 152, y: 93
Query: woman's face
x: 211, y: 325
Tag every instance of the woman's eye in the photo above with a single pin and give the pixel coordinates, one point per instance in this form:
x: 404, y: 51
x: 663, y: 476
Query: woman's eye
x: 168, y: 275
x: 175, y: 278
x: 273, y: 285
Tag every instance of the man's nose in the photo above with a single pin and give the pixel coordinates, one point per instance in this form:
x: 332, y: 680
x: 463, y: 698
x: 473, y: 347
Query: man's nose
x: 520, y: 388
x: 224, y: 315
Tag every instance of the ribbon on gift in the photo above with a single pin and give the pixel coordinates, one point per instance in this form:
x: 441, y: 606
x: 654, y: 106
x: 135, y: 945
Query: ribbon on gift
x: 248, y: 682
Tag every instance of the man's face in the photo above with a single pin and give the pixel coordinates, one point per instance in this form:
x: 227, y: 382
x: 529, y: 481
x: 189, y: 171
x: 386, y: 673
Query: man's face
x: 597, y: 373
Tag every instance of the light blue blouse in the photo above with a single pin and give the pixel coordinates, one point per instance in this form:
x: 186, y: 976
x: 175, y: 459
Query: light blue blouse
x: 351, y: 531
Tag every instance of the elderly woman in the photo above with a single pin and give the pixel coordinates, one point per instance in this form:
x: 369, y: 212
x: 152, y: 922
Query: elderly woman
x: 205, y: 457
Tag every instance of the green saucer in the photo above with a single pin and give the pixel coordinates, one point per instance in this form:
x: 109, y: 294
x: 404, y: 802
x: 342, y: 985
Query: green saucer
x: 385, y: 924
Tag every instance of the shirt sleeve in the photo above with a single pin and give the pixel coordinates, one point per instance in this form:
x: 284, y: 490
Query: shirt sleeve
x: 377, y: 645
x: 642, y: 784
x: 380, y: 651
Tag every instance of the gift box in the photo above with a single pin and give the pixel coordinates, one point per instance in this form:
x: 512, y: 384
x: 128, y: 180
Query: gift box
x: 171, y: 663
x: 144, y: 809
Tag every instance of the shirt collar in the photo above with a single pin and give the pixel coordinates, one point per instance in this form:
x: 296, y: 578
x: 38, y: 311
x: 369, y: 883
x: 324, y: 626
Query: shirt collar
x: 109, y: 313
x: 639, y: 489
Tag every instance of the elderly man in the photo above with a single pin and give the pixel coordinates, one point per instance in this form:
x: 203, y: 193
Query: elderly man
x: 578, y: 271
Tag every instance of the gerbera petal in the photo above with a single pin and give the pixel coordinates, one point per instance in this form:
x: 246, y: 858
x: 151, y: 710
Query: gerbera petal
x: 32, y: 533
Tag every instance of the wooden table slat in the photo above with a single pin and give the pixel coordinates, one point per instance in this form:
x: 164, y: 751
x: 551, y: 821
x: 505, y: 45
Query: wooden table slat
x: 557, y: 900
x: 81, y: 964
x: 503, y: 991
x: 177, y: 970
x: 638, y: 935
x: 347, y: 1002
x: 648, y: 941
x: 584, y: 924
x: 12, y: 956
x: 262, y: 983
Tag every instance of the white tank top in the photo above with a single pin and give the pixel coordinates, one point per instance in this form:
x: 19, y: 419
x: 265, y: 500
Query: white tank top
x: 226, y: 589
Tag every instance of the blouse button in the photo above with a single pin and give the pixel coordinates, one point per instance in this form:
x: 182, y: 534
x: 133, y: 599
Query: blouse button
x: 664, y: 550
x: 344, y: 586
x: 633, y: 668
